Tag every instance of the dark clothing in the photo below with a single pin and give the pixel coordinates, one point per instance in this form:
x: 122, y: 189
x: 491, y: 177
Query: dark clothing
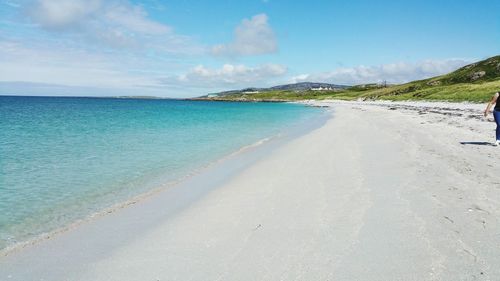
x: 496, y: 114
x: 497, y: 106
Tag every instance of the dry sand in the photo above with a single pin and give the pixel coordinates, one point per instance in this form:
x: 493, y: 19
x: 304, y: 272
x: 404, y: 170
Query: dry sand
x: 382, y: 191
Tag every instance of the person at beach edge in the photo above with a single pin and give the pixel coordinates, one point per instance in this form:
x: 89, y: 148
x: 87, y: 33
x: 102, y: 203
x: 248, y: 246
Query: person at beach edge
x: 496, y: 114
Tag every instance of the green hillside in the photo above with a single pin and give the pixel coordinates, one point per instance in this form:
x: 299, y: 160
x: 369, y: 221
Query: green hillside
x: 475, y: 82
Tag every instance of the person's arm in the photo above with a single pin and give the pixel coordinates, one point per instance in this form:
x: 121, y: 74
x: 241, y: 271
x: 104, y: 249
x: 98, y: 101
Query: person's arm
x: 490, y: 104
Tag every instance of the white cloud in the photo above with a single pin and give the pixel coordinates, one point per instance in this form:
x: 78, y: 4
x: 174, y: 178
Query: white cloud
x: 112, y: 23
x: 63, y: 14
x: 229, y: 75
x: 252, y: 37
x: 111, y: 46
x: 66, y: 66
x: 393, y: 73
x: 42, y: 69
x: 134, y: 18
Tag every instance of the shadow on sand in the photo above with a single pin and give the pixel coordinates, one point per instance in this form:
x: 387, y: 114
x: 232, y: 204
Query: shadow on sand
x: 476, y: 143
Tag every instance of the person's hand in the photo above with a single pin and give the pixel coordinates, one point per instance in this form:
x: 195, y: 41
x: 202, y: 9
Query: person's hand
x: 486, y: 113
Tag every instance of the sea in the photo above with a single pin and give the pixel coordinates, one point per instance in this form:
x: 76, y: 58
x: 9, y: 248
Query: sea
x: 64, y: 159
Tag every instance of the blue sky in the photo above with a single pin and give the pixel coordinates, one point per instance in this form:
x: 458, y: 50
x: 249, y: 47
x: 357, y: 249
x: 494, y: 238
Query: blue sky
x: 189, y: 48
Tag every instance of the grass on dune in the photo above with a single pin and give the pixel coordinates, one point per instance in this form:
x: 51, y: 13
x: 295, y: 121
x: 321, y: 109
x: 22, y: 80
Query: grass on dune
x: 456, y: 92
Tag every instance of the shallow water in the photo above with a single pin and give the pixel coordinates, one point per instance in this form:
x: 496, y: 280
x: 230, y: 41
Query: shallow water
x: 62, y: 159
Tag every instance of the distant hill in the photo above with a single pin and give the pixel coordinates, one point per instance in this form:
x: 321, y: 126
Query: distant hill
x: 305, y: 86
x: 302, y: 86
x: 482, y: 71
x: 475, y: 82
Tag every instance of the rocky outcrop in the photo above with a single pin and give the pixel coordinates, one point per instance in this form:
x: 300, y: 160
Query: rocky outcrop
x: 434, y: 83
x: 476, y: 75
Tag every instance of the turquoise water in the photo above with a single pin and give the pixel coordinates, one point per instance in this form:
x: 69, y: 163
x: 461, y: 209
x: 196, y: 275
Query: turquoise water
x: 62, y: 159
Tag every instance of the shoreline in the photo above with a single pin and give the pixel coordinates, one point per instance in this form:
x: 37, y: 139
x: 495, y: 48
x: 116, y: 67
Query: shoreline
x: 266, y: 143
x: 375, y: 193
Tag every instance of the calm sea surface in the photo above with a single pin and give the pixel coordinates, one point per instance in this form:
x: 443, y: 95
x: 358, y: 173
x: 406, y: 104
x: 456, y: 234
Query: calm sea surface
x: 62, y: 159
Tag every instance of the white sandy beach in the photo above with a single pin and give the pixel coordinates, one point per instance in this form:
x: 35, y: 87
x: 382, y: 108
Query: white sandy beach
x: 382, y: 191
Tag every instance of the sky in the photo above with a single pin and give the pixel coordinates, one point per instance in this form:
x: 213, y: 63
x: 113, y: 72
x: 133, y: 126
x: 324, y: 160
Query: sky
x: 190, y: 48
